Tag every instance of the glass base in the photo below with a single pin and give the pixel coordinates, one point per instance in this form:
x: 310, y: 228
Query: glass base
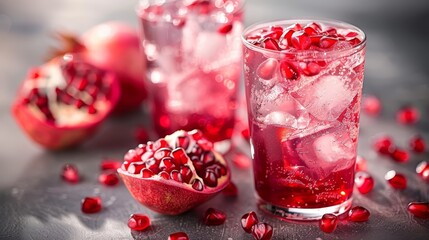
x: 304, y: 214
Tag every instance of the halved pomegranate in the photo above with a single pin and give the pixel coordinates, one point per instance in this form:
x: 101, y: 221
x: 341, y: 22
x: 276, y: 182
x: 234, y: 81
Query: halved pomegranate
x: 114, y: 46
x: 175, y: 173
x: 62, y: 102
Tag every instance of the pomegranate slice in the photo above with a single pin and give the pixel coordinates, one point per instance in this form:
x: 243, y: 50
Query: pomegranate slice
x: 138, y: 222
x: 66, y: 103
x: 214, y: 217
x: 180, y: 181
x: 328, y: 223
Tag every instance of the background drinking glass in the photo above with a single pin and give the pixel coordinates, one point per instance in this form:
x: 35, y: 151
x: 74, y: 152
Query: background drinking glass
x: 193, y: 53
x: 303, y: 89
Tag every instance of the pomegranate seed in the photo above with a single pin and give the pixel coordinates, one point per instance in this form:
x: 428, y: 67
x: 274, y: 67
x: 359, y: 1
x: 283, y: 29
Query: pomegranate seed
x: 364, y: 182
x: 210, y: 178
x: 328, y: 223
x: 359, y: 214
x: 271, y: 44
x: 108, y: 179
x: 138, y: 222
x: 230, y: 190
x: 178, y: 236
x: 186, y: 173
x: 91, y: 204
x: 160, y: 143
x: 267, y: 69
x: 79, y: 103
x: 288, y: 36
x: 396, y: 180
x: 408, y: 115
x: 206, y: 145
x: 354, y: 41
x: 400, y: 155
x: 33, y: 73
x: 383, y: 145
x: 327, y: 42
x: 82, y: 84
x: 146, y: 156
x: 288, y: 71
x: 176, y: 176
x: 419, y: 209
x: 167, y: 164
x: 310, y: 31
x: 300, y: 40
x: 162, y: 153
x: 331, y: 31
x: 352, y: 34
x: 418, y: 144
x: 248, y: 220
x: 132, y: 156
x: 262, y: 231
x: 423, y: 170
x: 92, y: 109
x: 179, y: 156
x: 136, y: 167
x: 110, y: 165
x: 214, y: 217
x: 246, y: 134
x: 311, y: 69
x: 371, y: 105
x: 146, y: 173
x: 70, y: 173
x: 141, y: 135
x: 241, y: 161
x: 164, y: 175
x: 152, y: 165
x: 315, y: 26
x: 224, y: 29
x: 197, y: 185
x: 196, y: 134
x: 361, y: 164
x: 183, y: 142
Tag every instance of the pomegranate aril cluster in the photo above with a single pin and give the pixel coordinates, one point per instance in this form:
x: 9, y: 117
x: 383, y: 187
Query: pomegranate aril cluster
x: 313, y: 36
x: 83, y: 86
x: 189, y: 159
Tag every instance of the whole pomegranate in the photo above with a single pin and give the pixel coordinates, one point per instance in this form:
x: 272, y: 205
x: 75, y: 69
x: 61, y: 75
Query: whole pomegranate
x: 175, y: 173
x: 114, y: 46
x: 62, y: 102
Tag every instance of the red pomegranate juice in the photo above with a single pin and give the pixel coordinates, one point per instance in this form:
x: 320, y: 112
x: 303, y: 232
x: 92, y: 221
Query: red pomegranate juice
x: 193, y: 53
x: 303, y: 87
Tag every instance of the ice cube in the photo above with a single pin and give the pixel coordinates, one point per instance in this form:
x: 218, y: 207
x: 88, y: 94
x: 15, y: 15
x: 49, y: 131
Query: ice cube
x: 322, y: 152
x: 328, y: 96
x: 209, y: 46
x: 282, y: 119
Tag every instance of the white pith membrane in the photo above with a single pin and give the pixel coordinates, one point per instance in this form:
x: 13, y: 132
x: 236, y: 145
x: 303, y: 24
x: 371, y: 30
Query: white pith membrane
x: 171, y: 140
x: 51, y: 77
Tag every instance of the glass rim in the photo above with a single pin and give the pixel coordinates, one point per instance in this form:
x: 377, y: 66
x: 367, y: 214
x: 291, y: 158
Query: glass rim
x: 304, y: 54
x: 239, y: 7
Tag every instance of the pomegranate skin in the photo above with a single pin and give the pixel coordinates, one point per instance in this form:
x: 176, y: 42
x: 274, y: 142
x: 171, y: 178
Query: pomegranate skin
x: 167, y: 196
x: 115, y: 46
x: 57, y: 137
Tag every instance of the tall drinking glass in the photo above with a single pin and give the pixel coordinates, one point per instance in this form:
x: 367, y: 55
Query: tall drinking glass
x: 194, y: 55
x: 303, y: 81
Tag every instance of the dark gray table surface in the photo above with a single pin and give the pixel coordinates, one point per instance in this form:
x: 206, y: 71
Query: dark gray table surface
x: 36, y: 204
